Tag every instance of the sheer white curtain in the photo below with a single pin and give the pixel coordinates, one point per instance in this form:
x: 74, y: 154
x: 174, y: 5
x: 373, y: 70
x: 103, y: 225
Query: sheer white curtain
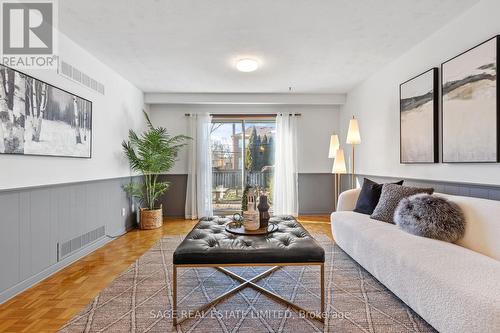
x: 285, y: 194
x: 199, y: 187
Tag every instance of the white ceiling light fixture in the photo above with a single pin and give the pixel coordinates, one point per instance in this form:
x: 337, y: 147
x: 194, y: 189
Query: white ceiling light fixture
x: 247, y: 65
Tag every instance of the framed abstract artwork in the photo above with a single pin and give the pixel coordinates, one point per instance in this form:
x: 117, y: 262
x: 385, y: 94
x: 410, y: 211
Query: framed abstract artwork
x: 37, y: 118
x: 418, y: 112
x: 470, y: 107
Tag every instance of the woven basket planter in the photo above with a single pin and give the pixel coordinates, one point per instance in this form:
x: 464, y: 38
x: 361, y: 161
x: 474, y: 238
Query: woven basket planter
x: 151, y: 219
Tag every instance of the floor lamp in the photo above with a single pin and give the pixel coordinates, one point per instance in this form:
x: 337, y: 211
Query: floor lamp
x: 338, y: 169
x: 353, y: 138
x: 334, y: 146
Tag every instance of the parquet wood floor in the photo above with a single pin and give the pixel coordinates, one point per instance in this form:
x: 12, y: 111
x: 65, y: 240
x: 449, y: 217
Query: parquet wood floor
x: 49, y: 304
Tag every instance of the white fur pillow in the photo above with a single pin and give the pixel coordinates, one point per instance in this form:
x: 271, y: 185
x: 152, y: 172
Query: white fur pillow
x: 430, y: 216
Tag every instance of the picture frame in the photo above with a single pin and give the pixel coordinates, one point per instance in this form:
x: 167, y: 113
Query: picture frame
x: 470, y: 105
x: 40, y: 119
x: 419, y: 118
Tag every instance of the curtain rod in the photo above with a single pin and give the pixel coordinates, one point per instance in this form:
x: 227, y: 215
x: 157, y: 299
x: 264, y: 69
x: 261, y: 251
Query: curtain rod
x: 244, y: 115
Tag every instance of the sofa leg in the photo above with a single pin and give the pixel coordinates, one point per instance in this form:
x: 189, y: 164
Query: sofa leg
x: 174, y: 296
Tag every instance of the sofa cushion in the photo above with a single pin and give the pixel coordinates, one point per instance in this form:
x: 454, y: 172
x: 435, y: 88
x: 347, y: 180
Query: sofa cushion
x: 369, y: 196
x: 482, y: 228
x: 390, y: 197
x: 452, y: 288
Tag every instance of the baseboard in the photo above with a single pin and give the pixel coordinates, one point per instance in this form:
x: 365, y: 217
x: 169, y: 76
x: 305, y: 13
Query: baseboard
x: 315, y: 212
x: 32, y: 280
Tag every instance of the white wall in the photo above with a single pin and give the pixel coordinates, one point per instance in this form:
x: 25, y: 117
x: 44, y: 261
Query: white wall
x: 113, y: 114
x: 315, y: 126
x: 376, y: 101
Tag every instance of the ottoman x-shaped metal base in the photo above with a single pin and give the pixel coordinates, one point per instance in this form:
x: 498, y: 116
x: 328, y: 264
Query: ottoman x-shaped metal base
x: 250, y: 283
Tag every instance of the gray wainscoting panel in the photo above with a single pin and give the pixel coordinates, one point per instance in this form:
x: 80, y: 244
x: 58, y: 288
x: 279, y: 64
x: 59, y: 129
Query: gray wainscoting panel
x: 62, y: 204
x: 24, y: 235
x: 34, y: 220
x: 116, y: 197
x: 316, y: 193
x: 40, y: 230
x: 96, y: 205
x: 9, y: 240
x: 484, y: 191
x: 174, y: 201
x: 78, y: 210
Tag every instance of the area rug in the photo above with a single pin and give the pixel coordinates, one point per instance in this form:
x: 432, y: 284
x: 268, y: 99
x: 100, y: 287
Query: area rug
x: 139, y: 300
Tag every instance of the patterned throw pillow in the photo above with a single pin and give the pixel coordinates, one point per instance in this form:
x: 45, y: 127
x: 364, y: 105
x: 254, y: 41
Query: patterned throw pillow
x: 369, y: 196
x: 391, y: 196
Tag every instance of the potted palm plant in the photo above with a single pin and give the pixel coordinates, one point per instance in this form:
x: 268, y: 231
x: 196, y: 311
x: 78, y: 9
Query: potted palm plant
x: 150, y: 154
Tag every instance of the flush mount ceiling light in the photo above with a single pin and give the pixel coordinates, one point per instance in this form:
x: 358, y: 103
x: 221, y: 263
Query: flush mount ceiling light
x: 247, y: 65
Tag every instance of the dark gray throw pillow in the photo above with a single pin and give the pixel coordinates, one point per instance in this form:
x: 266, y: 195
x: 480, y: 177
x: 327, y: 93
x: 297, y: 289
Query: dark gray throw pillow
x: 369, y: 196
x: 430, y: 216
x: 390, y: 197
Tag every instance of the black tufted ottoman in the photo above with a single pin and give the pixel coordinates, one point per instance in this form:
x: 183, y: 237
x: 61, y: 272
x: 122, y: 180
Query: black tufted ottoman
x: 209, y: 245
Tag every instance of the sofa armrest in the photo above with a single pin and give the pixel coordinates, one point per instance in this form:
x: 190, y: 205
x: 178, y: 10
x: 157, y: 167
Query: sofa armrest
x: 347, y: 200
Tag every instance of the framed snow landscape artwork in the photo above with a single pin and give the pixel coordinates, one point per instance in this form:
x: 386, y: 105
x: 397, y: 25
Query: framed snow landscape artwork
x: 470, y: 105
x: 419, y: 118
x: 37, y: 118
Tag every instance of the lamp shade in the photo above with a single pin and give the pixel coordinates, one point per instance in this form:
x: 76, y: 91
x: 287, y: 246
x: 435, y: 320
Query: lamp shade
x: 353, y: 136
x: 334, y: 145
x: 339, y: 163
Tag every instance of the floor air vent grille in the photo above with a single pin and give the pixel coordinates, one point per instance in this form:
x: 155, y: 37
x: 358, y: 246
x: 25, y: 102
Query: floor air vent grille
x: 66, y: 248
x: 80, y: 77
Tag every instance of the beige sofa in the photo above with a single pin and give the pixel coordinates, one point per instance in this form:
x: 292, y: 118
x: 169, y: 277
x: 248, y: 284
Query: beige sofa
x: 454, y: 287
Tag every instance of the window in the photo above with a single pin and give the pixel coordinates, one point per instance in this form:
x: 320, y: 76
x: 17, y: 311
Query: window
x: 242, y: 155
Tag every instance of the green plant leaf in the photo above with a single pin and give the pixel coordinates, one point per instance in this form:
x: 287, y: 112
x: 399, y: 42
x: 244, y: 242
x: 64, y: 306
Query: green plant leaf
x: 151, y: 153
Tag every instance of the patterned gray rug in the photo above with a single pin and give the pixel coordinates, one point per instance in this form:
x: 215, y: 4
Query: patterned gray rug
x: 139, y: 300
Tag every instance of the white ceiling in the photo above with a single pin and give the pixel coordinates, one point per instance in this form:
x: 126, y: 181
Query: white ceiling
x: 315, y: 46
